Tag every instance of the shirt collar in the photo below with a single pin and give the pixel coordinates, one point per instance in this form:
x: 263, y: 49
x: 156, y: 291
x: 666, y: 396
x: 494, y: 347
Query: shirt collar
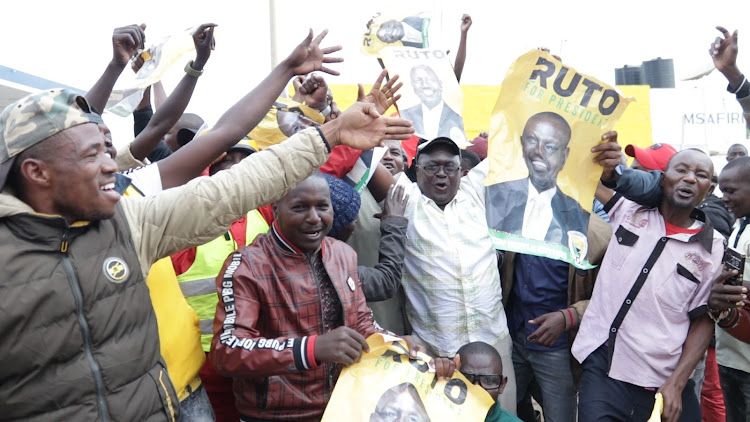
x: 706, y: 236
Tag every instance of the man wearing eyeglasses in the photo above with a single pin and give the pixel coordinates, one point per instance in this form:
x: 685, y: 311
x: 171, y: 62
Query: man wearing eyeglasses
x: 451, y: 276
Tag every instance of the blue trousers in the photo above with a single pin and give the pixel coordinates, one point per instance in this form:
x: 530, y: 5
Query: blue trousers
x: 552, y: 372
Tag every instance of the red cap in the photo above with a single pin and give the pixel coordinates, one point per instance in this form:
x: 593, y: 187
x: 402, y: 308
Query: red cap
x: 654, y: 157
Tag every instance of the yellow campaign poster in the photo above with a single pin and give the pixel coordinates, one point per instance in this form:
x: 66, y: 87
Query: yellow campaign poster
x: 285, y: 118
x: 431, y: 97
x: 542, y: 177
x: 388, y: 30
x: 387, y: 385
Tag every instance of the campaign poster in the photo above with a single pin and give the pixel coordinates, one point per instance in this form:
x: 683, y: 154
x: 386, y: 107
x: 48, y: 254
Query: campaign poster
x: 391, y: 30
x: 386, y: 382
x: 542, y: 179
x: 431, y: 97
x: 285, y: 118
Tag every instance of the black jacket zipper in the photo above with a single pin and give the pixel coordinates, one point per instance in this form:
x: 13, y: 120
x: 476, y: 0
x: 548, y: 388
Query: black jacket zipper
x: 75, y: 287
x: 327, y: 372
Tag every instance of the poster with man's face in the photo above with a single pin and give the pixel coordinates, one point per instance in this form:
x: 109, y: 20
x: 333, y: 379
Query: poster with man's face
x: 540, y: 188
x: 431, y: 97
x: 386, y: 385
x: 395, y: 30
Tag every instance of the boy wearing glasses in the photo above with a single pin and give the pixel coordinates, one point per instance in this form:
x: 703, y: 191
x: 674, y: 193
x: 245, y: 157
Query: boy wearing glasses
x: 481, y: 364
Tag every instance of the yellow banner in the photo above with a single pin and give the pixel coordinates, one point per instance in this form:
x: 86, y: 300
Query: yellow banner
x: 387, y: 30
x: 285, y: 118
x: 386, y: 385
x: 542, y: 176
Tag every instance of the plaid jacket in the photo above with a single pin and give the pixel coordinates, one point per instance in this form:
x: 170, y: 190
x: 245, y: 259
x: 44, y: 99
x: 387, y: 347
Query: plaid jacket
x: 269, y: 307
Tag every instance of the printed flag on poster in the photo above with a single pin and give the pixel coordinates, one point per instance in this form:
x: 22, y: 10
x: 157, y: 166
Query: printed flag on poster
x: 390, y: 30
x: 386, y: 382
x: 542, y: 177
x: 431, y: 97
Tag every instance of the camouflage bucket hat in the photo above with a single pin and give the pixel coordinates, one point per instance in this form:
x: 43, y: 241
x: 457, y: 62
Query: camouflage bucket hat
x: 35, y: 118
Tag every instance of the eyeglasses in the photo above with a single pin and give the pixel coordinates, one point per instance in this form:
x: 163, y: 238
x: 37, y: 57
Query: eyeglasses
x: 433, y: 169
x: 488, y: 382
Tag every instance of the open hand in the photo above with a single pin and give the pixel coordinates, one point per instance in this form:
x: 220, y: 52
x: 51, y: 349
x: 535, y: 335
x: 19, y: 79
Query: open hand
x: 126, y: 41
x: 308, y: 56
x: 382, y: 96
x: 395, y: 202
x: 362, y: 127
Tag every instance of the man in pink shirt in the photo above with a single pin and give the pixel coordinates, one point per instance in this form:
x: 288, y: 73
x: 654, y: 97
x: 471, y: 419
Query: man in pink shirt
x: 647, y: 325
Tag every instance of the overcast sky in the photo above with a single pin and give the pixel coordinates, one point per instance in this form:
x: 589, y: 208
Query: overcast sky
x: 70, y: 42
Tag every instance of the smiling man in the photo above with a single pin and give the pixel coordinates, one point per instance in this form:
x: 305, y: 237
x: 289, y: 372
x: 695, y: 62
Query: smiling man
x: 291, y: 311
x: 647, y: 325
x: 74, y: 256
x: 432, y: 117
x: 535, y: 207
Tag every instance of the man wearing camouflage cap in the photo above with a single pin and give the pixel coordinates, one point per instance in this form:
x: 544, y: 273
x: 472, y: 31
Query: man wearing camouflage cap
x: 78, y: 335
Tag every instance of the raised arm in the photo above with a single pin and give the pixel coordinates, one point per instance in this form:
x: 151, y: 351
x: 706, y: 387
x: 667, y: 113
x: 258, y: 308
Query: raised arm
x: 190, y: 160
x: 126, y: 41
x: 458, y: 67
x: 197, y: 212
x: 167, y: 115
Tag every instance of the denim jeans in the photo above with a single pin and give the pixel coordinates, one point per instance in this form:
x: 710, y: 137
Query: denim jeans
x: 552, y: 372
x: 196, y: 407
x: 736, y: 387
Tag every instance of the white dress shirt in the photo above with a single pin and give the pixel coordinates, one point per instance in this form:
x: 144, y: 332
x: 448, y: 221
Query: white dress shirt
x: 431, y: 120
x: 537, y: 216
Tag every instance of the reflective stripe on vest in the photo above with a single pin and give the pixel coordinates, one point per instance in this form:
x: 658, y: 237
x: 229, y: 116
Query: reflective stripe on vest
x: 198, y: 283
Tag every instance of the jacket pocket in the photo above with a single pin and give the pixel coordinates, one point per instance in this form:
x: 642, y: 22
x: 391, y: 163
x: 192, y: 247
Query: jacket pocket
x: 677, y: 290
x: 167, y: 393
x: 625, y: 239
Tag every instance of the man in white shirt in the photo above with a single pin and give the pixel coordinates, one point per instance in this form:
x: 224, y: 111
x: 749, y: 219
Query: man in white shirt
x: 535, y: 207
x: 451, y: 276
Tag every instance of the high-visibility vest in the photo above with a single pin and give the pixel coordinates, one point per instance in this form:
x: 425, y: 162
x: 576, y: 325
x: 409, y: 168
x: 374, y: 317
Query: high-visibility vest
x: 198, y: 283
x: 179, y: 333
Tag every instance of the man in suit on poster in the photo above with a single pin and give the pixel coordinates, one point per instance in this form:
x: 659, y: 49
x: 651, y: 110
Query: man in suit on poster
x: 432, y: 118
x: 535, y: 207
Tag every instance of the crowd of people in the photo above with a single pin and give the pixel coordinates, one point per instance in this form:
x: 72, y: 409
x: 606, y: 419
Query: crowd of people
x: 193, y: 276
